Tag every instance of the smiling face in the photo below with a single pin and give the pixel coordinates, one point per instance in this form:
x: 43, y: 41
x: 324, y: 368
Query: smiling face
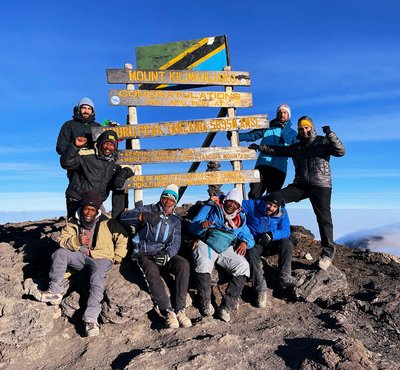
x: 89, y: 213
x: 231, y: 206
x: 108, y: 148
x: 168, y: 204
x: 271, y: 208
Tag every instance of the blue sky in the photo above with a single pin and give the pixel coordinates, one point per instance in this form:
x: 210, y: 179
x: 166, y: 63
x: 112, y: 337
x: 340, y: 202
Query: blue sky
x: 337, y: 62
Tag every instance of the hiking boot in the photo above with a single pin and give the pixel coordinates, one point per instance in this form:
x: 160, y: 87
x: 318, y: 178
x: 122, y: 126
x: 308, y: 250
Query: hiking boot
x: 171, y: 321
x: 183, y: 320
x: 92, y: 329
x: 52, y: 298
x: 291, y: 281
x: 262, y: 299
x: 207, y: 310
x: 224, y: 314
x: 324, y: 262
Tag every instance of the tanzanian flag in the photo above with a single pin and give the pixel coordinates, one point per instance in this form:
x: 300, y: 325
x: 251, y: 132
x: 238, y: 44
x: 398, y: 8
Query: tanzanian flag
x: 206, y: 54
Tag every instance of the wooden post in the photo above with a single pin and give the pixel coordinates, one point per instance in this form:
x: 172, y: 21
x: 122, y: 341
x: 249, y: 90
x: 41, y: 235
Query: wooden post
x: 134, y: 143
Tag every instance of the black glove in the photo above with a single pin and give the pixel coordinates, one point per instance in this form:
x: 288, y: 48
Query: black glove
x: 326, y: 130
x: 266, y: 239
x: 263, y: 148
x: 151, y: 218
x: 161, y: 258
x: 254, y: 146
x: 228, y: 135
x: 122, y: 175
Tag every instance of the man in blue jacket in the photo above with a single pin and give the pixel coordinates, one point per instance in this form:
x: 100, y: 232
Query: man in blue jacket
x: 269, y: 223
x: 223, y: 239
x: 272, y: 169
x: 159, y: 232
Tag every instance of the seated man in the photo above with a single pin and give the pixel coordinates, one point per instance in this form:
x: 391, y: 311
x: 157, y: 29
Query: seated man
x: 224, y: 239
x: 159, y: 232
x: 269, y: 223
x: 88, y: 239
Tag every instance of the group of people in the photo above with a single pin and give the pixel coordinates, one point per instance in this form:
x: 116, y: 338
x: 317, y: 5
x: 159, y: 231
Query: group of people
x: 228, y: 230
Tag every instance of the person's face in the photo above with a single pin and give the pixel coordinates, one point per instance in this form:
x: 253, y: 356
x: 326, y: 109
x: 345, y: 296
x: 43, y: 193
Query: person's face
x: 89, y: 213
x: 305, y: 131
x: 271, y: 208
x: 282, y: 116
x: 85, y: 111
x: 168, y: 204
x: 108, y: 148
x: 231, y: 206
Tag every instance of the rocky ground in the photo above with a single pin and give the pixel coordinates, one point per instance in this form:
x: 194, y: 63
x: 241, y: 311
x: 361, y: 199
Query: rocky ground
x: 347, y: 317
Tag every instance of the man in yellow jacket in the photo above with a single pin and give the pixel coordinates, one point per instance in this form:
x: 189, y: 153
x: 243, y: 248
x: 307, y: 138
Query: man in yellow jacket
x: 88, y: 239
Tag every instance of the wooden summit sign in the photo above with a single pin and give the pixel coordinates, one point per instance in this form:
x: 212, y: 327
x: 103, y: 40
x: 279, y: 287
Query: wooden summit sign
x: 187, y: 179
x: 196, y: 126
x: 179, y: 98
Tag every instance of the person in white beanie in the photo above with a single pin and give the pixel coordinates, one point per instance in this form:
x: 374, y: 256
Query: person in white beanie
x: 222, y: 238
x: 158, y: 231
x: 272, y: 169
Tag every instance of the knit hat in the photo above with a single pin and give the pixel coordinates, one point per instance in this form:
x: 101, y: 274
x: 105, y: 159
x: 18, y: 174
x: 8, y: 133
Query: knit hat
x: 91, y: 198
x: 305, y: 121
x: 171, y: 191
x: 108, y: 135
x: 284, y: 107
x: 274, y: 198
x: 236, y: 195
x: 86, y: 101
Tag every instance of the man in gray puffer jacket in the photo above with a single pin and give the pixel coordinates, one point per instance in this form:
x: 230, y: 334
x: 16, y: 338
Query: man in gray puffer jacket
x: 313, y: 179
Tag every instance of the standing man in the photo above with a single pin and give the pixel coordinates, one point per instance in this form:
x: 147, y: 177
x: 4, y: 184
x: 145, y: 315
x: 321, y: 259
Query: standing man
x: 159, y: 232
x: 313, y: 178
x: 269, y: 223
x: 89, y: 239
x: 223, y: 239
x: 272, y: 169
x: 79, y: 127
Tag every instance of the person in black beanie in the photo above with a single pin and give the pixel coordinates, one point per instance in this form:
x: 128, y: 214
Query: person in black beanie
x: 88, y: 239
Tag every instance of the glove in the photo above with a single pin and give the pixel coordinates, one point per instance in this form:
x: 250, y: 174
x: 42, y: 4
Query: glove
x: 161, y: 258
x: 228, y: 135
x: 266, y: 239
x: 254, y: 146
x: 263, y: 148
x: 117, y: 260
x: 151, y: 218
x: 122, y: 175
x: 326, y: 130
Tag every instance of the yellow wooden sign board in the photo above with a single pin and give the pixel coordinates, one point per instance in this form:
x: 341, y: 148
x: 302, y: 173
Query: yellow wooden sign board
x: 180, y: 98
x: 196, y: 126
x: 188, y: 179
x: 178, y: 77
x: 185, y: 155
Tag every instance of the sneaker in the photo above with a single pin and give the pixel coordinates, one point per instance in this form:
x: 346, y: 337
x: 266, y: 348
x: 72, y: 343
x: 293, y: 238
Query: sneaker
x: 291, y: 281
x: 324, y: 262
x: 92, y: 329
x: 207, y: 310
x: 171, y: 321
x: 183, y: 320
x: 262, y: 299
x: 224, y: 314
x: 52, y: 298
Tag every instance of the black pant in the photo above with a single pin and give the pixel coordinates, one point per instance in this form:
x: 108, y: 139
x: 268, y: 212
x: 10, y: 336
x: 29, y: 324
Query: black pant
x: 72, y: 206
x: 320, y: 199
x: 271, y: 179
x: 283, y: 247
x: 179, y: 267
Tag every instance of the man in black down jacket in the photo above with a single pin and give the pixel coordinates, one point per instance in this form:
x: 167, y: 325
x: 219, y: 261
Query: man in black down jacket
x: 94, y: 170
x: 80, y: 126
x: 312, y: 177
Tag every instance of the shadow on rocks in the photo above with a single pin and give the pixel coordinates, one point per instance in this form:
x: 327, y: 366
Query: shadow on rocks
x: 124, y: 358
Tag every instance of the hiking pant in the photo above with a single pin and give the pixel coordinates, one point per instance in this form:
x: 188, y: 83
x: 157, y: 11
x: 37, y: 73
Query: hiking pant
x: 271, y: 179
x: 320, y: 199
x: 177, y: 266
x: 63, y: 258
x: 283, y: 247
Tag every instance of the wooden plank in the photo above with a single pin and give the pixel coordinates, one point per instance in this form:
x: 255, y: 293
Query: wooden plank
x: 188, y: 179
x: 181, y: 98
x: 178, y: 77
x: 185, y: 155
x: 197, y: 126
